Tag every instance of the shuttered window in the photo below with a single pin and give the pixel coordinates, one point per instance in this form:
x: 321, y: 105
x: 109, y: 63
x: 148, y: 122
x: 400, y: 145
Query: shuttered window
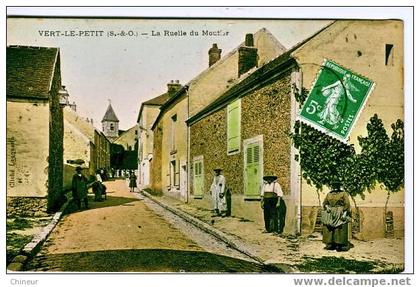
x: 234, y: 127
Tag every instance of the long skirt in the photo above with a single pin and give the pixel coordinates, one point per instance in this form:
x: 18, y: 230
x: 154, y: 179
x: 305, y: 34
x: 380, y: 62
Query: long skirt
x: 337, y: 235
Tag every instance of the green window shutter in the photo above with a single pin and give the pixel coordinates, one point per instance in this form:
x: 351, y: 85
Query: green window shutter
x: 234, y: 126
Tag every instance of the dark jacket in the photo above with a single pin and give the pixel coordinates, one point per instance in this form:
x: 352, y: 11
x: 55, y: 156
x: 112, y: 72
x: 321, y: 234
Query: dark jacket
x: 79, y: 186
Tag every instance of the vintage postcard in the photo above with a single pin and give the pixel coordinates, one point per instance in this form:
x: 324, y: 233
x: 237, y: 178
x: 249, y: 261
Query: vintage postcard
x: 205, y: 145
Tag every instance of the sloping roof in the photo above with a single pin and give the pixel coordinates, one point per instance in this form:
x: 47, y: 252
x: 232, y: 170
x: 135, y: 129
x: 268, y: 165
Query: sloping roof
x: 85, y: 127
x: 176, y: 96
x: 110, y: 115
x: 263, y: 31
x: 127, y: 138
x: 157, y: 101
x: 254, y: 79
x: 30, y: 71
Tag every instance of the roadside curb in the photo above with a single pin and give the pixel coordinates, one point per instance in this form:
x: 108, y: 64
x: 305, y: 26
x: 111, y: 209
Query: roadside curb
x: 229, y: 240
x: 33, y: 247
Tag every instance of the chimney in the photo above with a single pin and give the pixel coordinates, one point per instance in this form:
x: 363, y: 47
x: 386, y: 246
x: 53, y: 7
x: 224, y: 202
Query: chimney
x: 214, y: 54
x: 248, y: 55
x: 173, y: 87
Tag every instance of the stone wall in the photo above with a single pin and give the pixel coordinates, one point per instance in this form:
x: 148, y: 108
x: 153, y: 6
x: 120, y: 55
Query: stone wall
x: 27, y: 148
x: 26, y: 207
x: 264, y: 112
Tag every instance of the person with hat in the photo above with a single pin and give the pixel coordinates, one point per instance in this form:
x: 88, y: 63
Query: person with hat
x: 335, y: 218
x: 271, y: 193
x: 217, y: 191
x: 79, y: 188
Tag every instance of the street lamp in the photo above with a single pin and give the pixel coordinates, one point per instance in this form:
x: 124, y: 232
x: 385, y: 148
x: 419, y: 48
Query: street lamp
x: 63, y: 96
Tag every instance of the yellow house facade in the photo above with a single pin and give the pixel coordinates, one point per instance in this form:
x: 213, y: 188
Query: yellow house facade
x: 148, y: 113
x: 171, y: 147
x: 373, y: 49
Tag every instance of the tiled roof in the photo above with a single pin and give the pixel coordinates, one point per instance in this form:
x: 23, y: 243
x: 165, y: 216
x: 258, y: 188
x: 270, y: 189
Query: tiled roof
x: 30, y: 71
x: 158, y: 101
x: 110, y: 115
x: 254, y: 78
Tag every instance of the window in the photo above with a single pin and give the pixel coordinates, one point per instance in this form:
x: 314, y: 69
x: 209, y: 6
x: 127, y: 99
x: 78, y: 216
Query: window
x: 174, y: 173
x: 111, y: 127
x: 234, y: 127
x: 173, y: 131
x: 389, y: 55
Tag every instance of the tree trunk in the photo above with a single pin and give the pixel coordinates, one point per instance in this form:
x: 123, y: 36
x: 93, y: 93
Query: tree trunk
x: 388, y: 219
x: 355, y: 231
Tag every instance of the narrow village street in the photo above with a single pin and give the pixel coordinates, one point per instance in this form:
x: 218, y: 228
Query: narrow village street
x: 277, y: 147
x: 130, y: 233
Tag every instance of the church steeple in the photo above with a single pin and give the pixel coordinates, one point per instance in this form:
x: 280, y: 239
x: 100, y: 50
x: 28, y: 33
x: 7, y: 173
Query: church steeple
x: 110, y: 123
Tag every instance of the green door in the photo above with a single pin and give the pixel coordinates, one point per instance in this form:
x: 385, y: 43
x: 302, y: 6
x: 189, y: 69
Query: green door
x: 198, y: 180
x: 253, y: 170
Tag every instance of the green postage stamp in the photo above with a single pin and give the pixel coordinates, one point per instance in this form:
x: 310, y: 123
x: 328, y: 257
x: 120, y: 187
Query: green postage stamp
x: 335, y: 100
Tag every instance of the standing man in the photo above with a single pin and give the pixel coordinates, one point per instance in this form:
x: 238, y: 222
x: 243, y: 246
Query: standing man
x: 271, y: 194
x: 79, y: 188
x: 217, y: 191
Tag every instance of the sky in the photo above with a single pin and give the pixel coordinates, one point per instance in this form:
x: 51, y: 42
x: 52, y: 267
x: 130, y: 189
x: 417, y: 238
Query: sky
x: 129, y: 69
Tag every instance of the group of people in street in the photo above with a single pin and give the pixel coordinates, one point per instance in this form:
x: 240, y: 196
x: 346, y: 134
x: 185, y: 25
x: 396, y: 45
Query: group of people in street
x: 80, y: 187
x: 336, y: 213
x: 271, y: 201
x: 335, y: 216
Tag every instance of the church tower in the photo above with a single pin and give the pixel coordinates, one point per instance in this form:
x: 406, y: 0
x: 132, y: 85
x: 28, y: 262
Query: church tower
x: 110, y: 124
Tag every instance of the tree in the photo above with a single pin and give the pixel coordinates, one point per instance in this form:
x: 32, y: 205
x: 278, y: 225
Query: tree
x: 386, y: 156
x: 324, y: 159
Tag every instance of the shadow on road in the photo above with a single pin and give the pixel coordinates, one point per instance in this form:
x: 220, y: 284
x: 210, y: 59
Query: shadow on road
x: 145, y: 260
x: 110, y: 201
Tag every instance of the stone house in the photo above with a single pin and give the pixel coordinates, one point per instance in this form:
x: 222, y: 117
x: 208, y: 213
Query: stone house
x: 148, y: 113
x: 83, y: 142
x: 102, y: 151
x: 245, y: 131
x: 170, y: 130
x: 34, y: 144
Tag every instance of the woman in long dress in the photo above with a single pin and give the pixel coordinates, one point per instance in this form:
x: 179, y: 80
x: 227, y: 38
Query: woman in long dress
x: 133, y: 181
x: 335, y: 218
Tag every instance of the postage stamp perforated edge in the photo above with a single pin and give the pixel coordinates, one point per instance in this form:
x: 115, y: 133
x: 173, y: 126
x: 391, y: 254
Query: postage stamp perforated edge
x: 358, y: 113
